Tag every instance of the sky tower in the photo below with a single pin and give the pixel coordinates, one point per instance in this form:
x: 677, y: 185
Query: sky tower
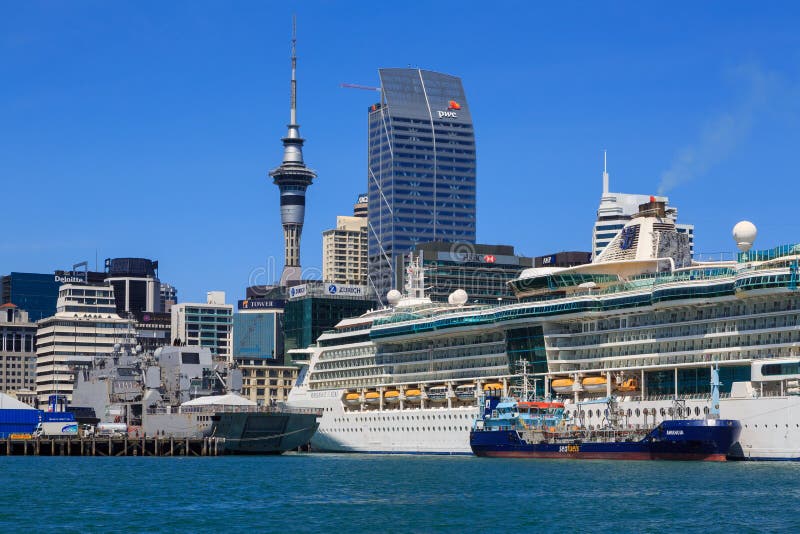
x: 292, y: 178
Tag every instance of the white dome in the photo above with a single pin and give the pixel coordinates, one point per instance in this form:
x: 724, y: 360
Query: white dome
x: 458, y: 297
x: 393, y: 297
x: 744, y: 233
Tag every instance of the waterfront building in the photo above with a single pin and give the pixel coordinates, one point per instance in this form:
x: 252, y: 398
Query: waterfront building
x: 313, y: 307
x: 206, y: 324
x: 483, y: 271
x: 616, y: 209
x: 264, y: 383
x: 17, y: 350
x: 421, y: 168
x: 85, y: 325
x: 292, y: 178
x: 344, y: 251
x: 168, y: 297
x: 258, y: 331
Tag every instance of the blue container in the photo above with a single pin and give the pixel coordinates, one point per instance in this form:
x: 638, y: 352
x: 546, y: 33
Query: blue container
x: 18, y: 421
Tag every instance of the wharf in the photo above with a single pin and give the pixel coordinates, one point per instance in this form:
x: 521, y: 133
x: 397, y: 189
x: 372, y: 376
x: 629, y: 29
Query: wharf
x: 112, y: 446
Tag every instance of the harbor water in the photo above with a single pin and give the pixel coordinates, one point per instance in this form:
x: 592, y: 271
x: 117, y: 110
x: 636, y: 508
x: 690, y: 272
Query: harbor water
x: 398, y: 494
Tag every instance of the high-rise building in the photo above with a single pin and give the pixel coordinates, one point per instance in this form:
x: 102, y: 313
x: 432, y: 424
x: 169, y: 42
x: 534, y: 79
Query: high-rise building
x: 169, y: 296
x: 292, y: 178
x: 361, y: 207
x: 36, y: 293
x: 17, y: 350
x: 208, y: 324
x: 616, y: 209
x: 344, y: 251
x: 84, y: 326
x: 137, y: 288
x: 265, y: 383
x: 421, y: 168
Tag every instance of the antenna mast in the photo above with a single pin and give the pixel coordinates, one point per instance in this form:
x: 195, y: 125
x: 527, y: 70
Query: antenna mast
x: 293, y: 119
x: 605, y: 173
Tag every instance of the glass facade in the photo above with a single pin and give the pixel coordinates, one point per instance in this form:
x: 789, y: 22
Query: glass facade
x: 254, y: 336
x: 35, y: 293
x: 527, y: 344
x: 695, y: 380
x: 306, y: 318
x: 421, y: 168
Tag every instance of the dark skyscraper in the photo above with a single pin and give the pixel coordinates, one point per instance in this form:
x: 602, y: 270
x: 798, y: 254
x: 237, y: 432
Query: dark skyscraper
x: 421, y: 168
x: 292, y: 177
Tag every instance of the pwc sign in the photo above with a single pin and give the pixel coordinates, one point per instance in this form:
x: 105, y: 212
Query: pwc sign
x: 452, y: 107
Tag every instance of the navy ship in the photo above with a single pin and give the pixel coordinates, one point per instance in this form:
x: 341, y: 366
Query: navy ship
x: 181, y: 392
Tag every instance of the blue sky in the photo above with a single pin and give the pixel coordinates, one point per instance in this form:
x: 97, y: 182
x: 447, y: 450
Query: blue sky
x: 148, y: 128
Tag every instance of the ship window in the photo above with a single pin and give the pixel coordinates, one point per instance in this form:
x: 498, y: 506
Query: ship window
x: 638, y: 412
x: 696, y: 411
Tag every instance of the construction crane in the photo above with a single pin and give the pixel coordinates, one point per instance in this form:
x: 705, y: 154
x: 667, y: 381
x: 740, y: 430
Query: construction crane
x: 357, y: 86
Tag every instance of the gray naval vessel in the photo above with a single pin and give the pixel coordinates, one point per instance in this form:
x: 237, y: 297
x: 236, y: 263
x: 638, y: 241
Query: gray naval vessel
x: 181, y: 391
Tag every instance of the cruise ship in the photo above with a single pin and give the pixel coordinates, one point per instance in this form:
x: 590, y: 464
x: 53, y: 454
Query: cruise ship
x: 643, y: 322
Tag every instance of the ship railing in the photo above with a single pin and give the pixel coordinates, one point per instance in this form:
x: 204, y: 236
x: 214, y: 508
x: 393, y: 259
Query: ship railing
x: 236, y: 409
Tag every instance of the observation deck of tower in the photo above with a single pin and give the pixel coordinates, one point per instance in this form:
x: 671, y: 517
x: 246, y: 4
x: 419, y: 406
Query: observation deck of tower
x: 292, y: 178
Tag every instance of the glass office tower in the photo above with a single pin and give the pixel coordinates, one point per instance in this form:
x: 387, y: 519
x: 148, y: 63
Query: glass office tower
x: 421, y: 169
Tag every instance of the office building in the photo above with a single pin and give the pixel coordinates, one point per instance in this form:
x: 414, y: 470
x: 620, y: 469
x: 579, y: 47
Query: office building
x: 168, y: 296
x: 421, y: 169
x: 361, y: 207
x: 17, y: 350
x: 292, y: 178
x: 36, y: 293
x: 563, y: 259
x: 264, y: 383
x: 84, y: 326
x: 136, y: 285
x: 481, y: 270
x: 344, y: 250
x: 258, y: 331
x: 313, y: 307
x: 616, y: 209
x: 208, y: 324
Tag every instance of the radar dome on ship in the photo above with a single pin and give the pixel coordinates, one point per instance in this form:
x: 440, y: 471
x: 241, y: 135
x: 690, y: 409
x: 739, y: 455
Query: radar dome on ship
x: 458, y: 297
x: 744, y: 233
x: 393, y: 297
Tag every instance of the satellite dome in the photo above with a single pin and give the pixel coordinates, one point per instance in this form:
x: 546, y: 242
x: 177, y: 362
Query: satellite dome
x: 744, y: 233
x: 393, y: 297
x: 458, y: 297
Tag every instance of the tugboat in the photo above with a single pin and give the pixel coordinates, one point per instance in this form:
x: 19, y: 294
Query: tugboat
x: 541, y: 429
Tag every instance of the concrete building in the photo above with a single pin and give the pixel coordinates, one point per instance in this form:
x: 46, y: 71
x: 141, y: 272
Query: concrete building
x: 292, y: 178
x: 266, y: 384
x: 344, y: 251
x: 84, y: 326
x: 481, y: 270
x: 208, y: 324
x: 361, y: 207
x: 421, y: 169
x: 137, y: 288
x: 17, y: 350
x: 616, y: 209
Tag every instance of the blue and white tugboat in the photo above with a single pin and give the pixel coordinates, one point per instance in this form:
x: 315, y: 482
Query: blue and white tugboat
x: 540, y: 429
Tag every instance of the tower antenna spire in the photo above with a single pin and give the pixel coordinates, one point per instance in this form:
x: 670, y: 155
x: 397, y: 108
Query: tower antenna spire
x: 605, y: 172
x: 293, y: 119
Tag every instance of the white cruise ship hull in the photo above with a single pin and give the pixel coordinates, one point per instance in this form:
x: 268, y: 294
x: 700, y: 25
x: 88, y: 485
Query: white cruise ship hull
x: 413, y: 430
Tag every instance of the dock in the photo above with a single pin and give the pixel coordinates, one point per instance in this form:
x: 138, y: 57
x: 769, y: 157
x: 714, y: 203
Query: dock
x: 112, y: 446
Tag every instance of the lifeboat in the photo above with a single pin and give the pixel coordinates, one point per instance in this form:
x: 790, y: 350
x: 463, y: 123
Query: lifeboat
x: 413, y: 395
x: 493, y: 385
x: 465, y: 392
x: 630, y: 384
x: 372, y: 397
x: 594, y: 384
x: 352, y: 399
x: 392, y: 396
x: 437, y: 394
x: 562, y: 385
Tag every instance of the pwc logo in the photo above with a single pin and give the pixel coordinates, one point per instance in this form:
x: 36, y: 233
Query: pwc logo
x: 452, y: 107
